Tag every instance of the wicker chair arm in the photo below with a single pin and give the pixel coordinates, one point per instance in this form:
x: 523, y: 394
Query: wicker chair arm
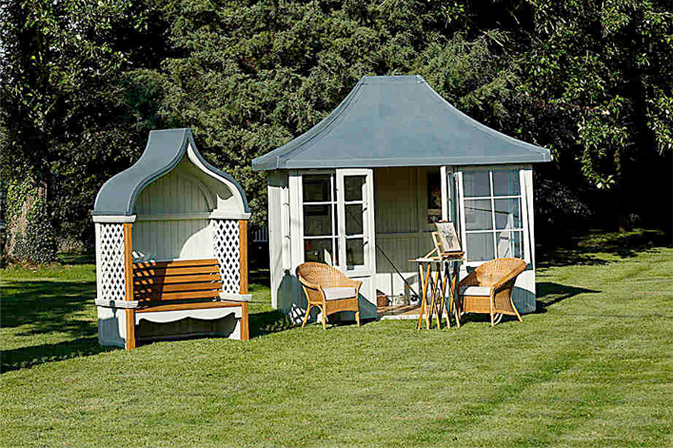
x: 347, y: 282
x: 309, y: 284
x: 472, y: 279
x: 511, y: 275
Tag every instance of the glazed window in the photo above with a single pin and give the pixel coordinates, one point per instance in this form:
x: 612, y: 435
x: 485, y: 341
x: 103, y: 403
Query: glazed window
x: 493, y: 214
x: 320, y: 218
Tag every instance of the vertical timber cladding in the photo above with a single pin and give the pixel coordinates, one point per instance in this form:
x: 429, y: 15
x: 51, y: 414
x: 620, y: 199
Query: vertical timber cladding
x: 128, y: 281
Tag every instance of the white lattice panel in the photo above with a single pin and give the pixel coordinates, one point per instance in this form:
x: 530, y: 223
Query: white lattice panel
x: 226, y: 248
x: 110, y: 261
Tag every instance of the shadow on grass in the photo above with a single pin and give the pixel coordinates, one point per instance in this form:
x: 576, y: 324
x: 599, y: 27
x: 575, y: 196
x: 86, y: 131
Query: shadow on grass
x: 549, y: 294
x: 23, y: 358
x: 582, y: 248
x: 47, y: 306
x: 269, y: 322
x: 259, y: 276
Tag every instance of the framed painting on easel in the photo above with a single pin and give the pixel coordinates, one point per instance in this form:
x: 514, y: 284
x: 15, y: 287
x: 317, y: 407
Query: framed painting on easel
x: 446, y: 238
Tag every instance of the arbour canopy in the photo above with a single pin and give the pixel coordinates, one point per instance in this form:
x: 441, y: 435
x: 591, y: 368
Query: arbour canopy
x: 164, y: 151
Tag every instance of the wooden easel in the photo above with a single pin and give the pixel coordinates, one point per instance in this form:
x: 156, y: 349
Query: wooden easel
x: 438, y: 282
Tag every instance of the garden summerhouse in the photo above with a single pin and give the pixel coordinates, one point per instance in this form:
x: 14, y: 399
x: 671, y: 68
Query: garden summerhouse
x: 363, y: 188
x: 171, y: 247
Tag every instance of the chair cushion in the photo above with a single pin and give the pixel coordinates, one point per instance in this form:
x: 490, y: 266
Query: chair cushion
x: 339, y: 293
x: 481, y: 291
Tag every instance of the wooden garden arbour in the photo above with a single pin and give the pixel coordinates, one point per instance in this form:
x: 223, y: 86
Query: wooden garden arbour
x: 171, y: 212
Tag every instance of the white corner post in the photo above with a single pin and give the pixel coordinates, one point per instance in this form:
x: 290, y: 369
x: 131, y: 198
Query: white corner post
x: 114, y: 281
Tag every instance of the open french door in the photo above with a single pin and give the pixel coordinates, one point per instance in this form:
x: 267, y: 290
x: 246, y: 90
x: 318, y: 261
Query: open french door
x: 356, y: 232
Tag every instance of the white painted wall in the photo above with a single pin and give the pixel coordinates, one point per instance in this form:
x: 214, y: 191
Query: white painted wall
x: 189, y: 239
x: 402, y: 232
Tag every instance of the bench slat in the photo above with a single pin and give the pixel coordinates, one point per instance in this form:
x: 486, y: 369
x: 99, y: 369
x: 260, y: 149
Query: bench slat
x: 178, y: 270
x: 175, y: 263
x: 187, y: 306
x: 147, y: 281
x: 161, y: 288
x: 179, y: 295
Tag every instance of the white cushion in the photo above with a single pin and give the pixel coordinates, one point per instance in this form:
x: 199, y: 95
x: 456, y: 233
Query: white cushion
x: 339, y: 293
x: 481, y: 291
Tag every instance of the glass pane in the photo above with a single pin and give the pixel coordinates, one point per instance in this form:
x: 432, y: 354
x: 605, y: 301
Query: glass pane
x: 480, y: 246
x: 476, y: 183
x: 509, y: 244
x: 355, y: 252
x: 320, y: 250
x: 353, y: 186
x: 317, y: 188
x: 478, y: 214
x: 317, y: 220
x: 354, y: 220
x: 508, y: 213
x: 506, y: 183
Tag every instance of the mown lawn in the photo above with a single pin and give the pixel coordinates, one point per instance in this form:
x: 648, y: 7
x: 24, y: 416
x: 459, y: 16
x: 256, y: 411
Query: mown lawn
x: 593, y: 367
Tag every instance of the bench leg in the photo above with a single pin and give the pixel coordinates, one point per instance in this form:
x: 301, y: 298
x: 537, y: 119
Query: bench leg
x: 245, y: 326
x: 130, y: 329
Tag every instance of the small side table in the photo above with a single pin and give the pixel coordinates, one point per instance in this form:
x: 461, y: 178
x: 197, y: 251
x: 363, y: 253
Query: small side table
x: 444, y: 277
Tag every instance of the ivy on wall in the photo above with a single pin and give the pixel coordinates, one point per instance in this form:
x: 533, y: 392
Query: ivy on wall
x: 30, y: 235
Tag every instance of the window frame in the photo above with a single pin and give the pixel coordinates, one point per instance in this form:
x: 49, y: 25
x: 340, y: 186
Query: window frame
x: 523, y: 203
x: 339, y: 224
x: 332, y: 204
x: 367, y: 234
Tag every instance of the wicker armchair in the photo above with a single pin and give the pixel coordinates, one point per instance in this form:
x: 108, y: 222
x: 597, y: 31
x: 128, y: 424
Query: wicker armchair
x: 488, y: 289
x: 329, y: 289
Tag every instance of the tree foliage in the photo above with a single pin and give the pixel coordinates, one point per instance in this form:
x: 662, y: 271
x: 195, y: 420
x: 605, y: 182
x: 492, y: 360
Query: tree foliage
x: 83, y: 82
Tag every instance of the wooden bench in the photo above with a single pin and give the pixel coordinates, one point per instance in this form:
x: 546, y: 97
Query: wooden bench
x: 174, y: 290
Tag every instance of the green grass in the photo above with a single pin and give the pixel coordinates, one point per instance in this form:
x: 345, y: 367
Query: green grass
x: 593, y: 367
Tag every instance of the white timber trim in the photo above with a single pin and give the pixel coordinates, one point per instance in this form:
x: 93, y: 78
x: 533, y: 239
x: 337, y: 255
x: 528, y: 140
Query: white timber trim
x: 174, y: 216
x: 527, y: 174
x: 191, y: 153
x: 368, y: 225
x: 228, y: 214
x: 231, y: 297
x: 296, y: 220
x: 286, y: 245
x: 443, y: 174
x: 113, y: 219
x: 216, y: 214
x: 461, y: 212
x: 160, y: 317
x: 526, y: 210
x: 110, y: 303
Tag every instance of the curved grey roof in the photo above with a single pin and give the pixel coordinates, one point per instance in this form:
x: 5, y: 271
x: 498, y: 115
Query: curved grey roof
x: 398, y: 121
x: 164, y: 150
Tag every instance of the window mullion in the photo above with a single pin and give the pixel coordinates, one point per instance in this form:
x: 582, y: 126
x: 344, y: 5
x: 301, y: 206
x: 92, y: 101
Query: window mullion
x: 334, y: 217
x: 495, y: 238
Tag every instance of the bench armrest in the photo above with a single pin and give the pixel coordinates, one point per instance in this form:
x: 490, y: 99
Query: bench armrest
x: 232, y: 297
